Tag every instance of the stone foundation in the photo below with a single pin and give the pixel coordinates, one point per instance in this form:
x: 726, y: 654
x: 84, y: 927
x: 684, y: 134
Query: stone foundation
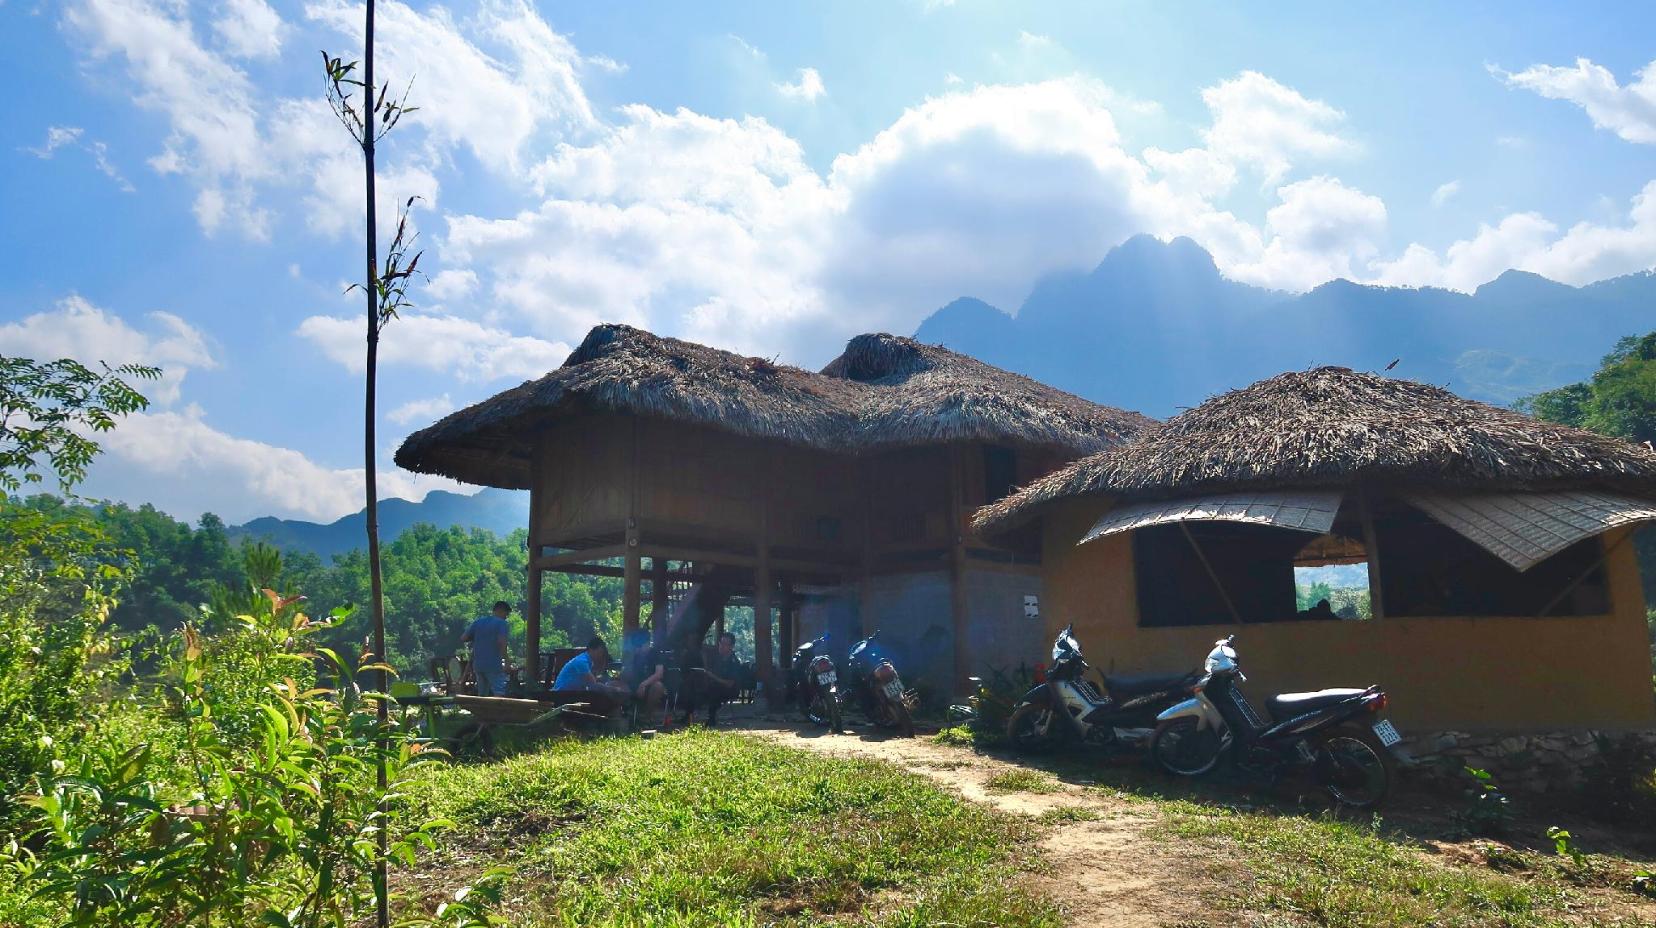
x: 1521, y: 763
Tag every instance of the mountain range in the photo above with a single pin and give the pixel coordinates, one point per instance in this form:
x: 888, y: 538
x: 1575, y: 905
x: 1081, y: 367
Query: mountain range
x: 499, y: 511
x: 1156, y: 327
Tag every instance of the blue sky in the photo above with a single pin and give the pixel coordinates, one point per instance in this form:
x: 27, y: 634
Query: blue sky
x: 768, y: 177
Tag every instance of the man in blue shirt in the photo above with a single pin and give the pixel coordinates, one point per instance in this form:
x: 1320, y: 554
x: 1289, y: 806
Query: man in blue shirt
x: 581, y: 673
x: 490, y: 660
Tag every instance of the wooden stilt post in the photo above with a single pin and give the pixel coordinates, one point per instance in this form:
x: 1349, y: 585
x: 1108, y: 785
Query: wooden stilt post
x: 762, y: 586
x: 786, y: 604
x: 865, y: 585
x: 532, y: 598
x: 957, y: 567
x: 1377, y: 599
x: 632, y: 565
x: 658, y: 599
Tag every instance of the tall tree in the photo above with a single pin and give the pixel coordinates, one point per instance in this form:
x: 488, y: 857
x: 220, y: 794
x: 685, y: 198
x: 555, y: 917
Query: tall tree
x: 368, y: 112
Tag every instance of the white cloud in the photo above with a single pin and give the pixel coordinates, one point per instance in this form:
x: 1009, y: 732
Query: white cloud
x: 452, y: 284
x: 808, y: 88
x: 1262, y: 123
x: 952, y: 79
x: 1444, y: 191
x: 77, y: 329
x: 185, y: 465
x: 426, y: 410
x: 249, y: 28
x: 1320, y: 230
x: 1627, y: 110
x: 467, y: 350
x: 56, y: 138
x: 1585, y: 252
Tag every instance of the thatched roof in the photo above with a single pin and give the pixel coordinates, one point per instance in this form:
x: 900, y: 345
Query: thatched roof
x: 883, y: 391
x: 1332, y: 427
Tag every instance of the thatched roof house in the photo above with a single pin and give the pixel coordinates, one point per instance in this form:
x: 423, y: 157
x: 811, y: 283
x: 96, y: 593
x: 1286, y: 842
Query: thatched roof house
x: 883, y: 391
x: 1332, y: 427
x: 740, y: 477
x: 1498, y: 588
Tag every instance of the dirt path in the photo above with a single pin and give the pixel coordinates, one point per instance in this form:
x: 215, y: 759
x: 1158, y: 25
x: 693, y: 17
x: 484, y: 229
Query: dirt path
x: 1105, y: 869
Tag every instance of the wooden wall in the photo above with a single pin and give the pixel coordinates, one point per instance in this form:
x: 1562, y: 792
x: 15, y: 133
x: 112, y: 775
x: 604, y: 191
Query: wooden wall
x: 1453, y: 672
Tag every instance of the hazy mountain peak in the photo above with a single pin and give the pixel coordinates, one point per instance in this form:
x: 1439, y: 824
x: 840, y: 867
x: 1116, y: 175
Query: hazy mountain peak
x: 1523, y: 285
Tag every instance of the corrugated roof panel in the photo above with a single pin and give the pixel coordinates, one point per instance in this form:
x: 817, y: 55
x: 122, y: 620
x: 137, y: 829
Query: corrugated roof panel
x: 1525, y: 529
x: 1304, y: 510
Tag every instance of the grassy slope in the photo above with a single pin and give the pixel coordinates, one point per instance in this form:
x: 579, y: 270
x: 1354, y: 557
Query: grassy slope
x: 710, y: 829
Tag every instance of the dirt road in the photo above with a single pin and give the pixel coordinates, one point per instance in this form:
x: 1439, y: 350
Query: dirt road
x: 1105, y: 867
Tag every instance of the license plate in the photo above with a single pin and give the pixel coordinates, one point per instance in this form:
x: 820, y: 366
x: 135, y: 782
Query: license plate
x: 827, y: 678
x: 1386, y: 733
x: 894, y: 689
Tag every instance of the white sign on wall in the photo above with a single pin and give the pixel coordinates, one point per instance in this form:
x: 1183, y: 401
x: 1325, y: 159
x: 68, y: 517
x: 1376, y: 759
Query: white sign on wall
x: 1032, y: 606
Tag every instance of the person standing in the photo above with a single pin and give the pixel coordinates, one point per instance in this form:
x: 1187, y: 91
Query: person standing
x: 490, y: 657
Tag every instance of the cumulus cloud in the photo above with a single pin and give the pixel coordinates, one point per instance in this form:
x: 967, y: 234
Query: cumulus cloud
x: 249, y: 28
x: 807, y: 88
x: 1320, y: 230
x: 1269, y: 126
x: 422, y: 411
x: 468, y: 350
x: 1628, y: 110
x: 185, y: 465
x: 79, y: 330
x: 1444, y: 191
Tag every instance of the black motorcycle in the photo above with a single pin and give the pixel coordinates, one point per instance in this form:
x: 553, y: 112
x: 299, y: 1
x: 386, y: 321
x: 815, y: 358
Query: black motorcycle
x: 877, y: 688
x: 815, y: 683
x: 1336, y: 734
x: 1065, y: 704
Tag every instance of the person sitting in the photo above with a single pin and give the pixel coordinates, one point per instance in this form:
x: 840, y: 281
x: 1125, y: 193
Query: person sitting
x: 712, y: 683
x: 581, y: 673
x: 645, y: 676
x: 491, y: 662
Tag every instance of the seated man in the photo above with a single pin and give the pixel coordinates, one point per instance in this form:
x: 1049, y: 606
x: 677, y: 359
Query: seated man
x: 645, y: 676
x: 714, y: 683
x: 581, y: 673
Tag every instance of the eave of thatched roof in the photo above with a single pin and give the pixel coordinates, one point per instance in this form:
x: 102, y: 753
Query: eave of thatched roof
x: 883, y: 391
x: 1334, y: 427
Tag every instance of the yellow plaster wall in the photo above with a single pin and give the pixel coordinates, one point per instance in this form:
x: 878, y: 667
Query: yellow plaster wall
x: 1461, y: 673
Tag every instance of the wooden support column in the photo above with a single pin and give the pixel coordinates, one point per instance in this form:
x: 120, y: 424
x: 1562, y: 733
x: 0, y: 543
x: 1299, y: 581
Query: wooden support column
x: 658, y: 599
x: 632, y: 566
x: 786, y: 608
x: 957, y: 567
x: 532, y: 597
x: 1377, y: 599
x: 762, y: 586
x: 865, y: 586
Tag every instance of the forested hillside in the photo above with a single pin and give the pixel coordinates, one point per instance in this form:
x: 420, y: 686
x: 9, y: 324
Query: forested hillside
x: 436, y: 581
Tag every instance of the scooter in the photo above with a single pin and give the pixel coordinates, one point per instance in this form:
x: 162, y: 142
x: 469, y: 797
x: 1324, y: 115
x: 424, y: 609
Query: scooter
x: 877, y: 687
x: 1336, y: 734
x: 816, y: 682
x: 1065, y: 704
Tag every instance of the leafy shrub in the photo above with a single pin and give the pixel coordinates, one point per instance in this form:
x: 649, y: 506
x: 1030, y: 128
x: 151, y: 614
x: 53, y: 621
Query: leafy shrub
x: 987, y: 710
x: 267, y: 815
x: 1488, y: 811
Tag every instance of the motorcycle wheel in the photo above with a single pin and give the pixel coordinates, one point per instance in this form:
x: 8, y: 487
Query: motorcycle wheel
x: 834, y: 717
x: 1030, y: 727
x: 902, y: 721
x: 1354, y: 767
x: 1182, y: 749
x: 816, y: 708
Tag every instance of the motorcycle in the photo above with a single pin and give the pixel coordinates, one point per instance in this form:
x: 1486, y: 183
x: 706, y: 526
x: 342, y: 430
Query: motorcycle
x: 1066, y: 704
x: 1337, y: 734
x: 816, y: 682
x: 878, y: 688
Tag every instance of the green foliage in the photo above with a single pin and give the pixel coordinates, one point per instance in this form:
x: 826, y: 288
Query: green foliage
x: 982, y: 720
x: 1619, y: 784
x: 1021, y: 780
x: 1564, y: 845
x: 1488, y: 811
x: 1306, y: 596
x: 277, y: 829
x: 712, y: 829
x: 45, y: 409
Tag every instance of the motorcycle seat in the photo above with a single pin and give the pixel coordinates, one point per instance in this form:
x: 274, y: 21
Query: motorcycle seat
x: 1123, y: 687
x: 1287, y: 705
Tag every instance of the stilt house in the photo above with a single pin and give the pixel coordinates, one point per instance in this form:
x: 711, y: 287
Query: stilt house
x: 697, y: 473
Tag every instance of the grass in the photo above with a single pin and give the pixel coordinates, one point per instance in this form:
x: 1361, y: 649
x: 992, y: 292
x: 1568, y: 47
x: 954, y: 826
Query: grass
x: 705, y: 828
x: 1341, y: 873
x: 1021, y: 780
